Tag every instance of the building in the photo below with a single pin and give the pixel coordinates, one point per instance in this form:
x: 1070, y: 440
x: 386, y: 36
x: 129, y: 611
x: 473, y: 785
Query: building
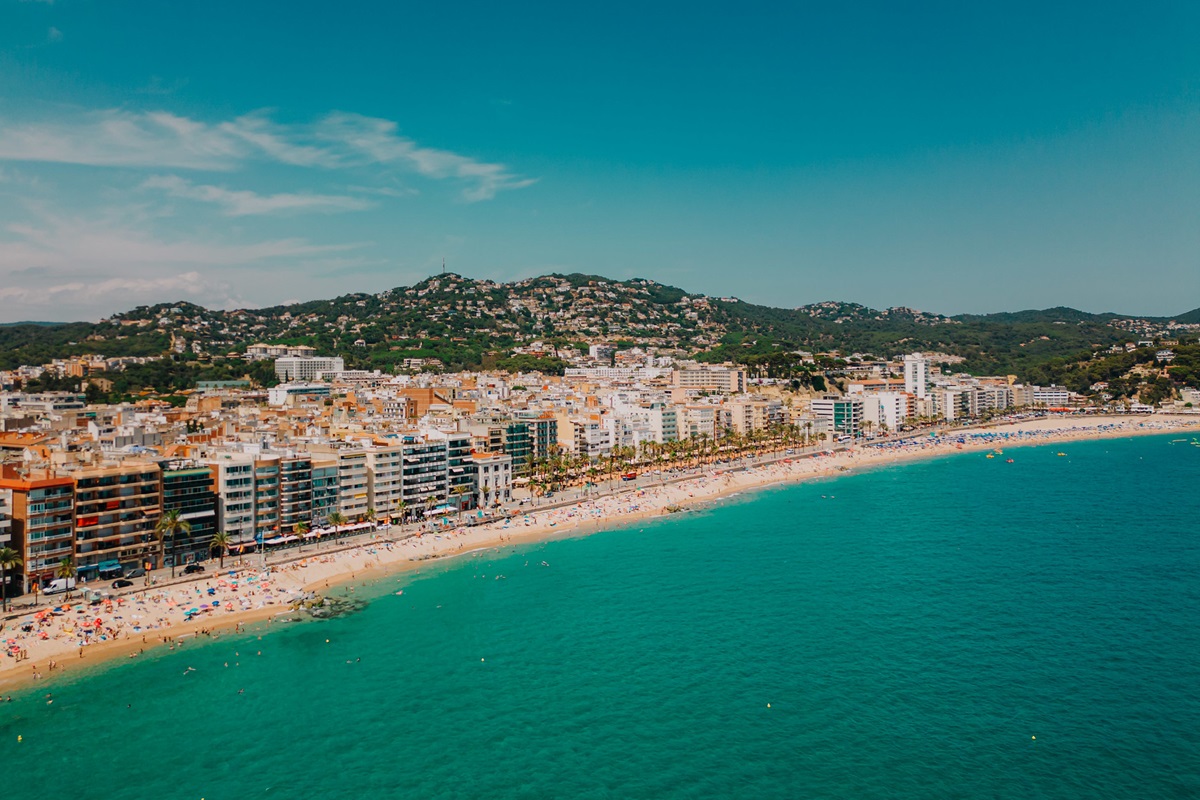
x: 888, y: 411
x: 266, y: 497
x: 425, y: 478
x: 716, y: 378
x: 916, y: 375
x: 543, y: 433
x: 188, y: 489
x: 385, y: 472
x: 461, y: 479
x: 42, y: 527
x: 296, y: 394
x: 493, y: 478
x: 307, y: 368
x: 116, y: 510
x: 295, y: 492
x: 261, y: 352
x: 845, y: 415
x: 324, y: 490
x: 235, y: 493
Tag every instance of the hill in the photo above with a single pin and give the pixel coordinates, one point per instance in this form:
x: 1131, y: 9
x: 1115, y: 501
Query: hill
x: 468, y: 323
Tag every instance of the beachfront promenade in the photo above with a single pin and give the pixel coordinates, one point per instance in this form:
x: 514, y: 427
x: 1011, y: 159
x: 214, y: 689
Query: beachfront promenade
x: 249, y: 590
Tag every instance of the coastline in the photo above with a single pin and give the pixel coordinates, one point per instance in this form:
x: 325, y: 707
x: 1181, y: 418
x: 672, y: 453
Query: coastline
x: 148, y: 618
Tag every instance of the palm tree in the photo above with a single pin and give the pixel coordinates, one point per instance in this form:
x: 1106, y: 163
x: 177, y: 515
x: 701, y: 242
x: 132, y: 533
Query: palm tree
x: 66, y: 569
x: 402, y: 509
x: 9, y: 559
x: 337, y: 519
x: 170, y: 524
x: 301, y: 528
x: 220, y: 542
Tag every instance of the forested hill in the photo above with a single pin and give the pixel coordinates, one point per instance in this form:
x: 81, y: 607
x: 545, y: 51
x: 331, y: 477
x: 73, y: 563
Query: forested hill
x: 468, y: 323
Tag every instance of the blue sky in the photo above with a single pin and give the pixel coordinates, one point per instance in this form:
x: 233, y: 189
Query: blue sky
x: 953, y: 157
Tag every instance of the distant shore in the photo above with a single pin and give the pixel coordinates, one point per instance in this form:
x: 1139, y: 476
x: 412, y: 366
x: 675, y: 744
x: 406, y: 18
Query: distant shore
x: 158, y: 617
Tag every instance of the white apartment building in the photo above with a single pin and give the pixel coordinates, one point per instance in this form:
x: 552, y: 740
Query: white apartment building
x: 307, y: 368
x: 493, y: 479
x: 385, y: 473
x: 845, y: 414
x: 1052, y: 396
x: 699, y: 420
x: 261, y: 352
x: 716, y: 378
x: 916, y: 375
x: 235, y: 496
x: 891, y: 409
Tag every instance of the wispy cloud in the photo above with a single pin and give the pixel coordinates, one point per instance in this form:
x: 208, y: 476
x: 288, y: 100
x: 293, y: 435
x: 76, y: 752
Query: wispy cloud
x: 162, y: 140
x: 238, y: 203
x: 378, y: 141
x: 62, y: 243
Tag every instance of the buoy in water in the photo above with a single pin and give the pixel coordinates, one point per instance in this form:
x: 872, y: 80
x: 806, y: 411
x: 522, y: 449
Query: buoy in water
x: 1033, y: 737
x: 768, y: 705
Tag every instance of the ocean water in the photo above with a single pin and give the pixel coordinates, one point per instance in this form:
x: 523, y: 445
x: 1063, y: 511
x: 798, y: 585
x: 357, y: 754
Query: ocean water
x: 905, y: 632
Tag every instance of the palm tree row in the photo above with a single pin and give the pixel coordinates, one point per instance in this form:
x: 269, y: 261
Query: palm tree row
x: 562, y: 469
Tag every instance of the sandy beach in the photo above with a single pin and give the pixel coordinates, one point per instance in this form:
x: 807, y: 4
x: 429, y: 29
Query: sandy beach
x: 49, y: 644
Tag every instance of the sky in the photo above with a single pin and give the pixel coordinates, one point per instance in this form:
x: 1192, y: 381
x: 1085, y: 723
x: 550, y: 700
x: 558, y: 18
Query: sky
x: 947, y: 156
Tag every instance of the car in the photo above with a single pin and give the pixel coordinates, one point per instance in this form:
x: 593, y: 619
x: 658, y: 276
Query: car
x: 122, y: 583
x: 135, y: 572
x: 193, y: 569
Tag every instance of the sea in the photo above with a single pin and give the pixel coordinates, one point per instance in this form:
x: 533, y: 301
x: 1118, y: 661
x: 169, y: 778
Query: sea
x: 961, y: 627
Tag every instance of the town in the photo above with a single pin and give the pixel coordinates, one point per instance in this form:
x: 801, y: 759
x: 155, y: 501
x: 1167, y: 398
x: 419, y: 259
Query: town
x: 101, y: 490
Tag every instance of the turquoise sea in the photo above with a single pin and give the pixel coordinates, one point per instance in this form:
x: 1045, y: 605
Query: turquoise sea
x: 901, y: 633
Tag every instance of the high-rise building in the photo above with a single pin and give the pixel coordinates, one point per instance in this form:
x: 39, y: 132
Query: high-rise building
x: 303, y: 368
x: 916, y: 375
x: 42, y: 527
x: 845, y: 414
x: 188, y: 489
x: 116, y: 509
x: 324, y: 490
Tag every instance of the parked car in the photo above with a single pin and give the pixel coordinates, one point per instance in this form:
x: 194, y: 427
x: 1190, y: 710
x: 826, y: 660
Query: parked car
x: 122, y: 583
x: 135, y: 572
x: 193, y: 569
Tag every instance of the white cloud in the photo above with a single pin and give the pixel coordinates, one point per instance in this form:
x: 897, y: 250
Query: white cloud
x: 377, y: 141
x: 243, y: 203
x: 100, y: 245
x: 117, y: 138
x: 122, y: 139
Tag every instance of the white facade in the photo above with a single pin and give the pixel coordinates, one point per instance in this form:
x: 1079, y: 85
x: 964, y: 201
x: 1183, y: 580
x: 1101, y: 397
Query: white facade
x: 887, y: 408
x: 916, y: 375
x: 493, y: 482
x: 300, y: 368
x: 235, y: 496
x: 385, y: 470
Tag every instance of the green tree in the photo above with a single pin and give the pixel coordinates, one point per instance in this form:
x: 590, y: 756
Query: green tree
x: 66, y: 569
x: 9, y: 559
x: 337, y: 519
x: 172, y: 525
x: 220, y: 543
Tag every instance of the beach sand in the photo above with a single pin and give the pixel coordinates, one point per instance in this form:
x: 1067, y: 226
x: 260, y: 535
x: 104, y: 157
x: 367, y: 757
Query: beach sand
x: 155, y: 617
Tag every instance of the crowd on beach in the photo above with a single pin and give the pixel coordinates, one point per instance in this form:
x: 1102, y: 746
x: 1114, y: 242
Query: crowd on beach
x: 156, y: 616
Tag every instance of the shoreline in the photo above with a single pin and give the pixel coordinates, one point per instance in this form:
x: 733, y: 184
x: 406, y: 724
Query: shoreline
x: 153, y: 618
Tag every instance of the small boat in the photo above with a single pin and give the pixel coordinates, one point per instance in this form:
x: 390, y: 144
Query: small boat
x: 989, y: 455
x: 1009, y: 460
x: 1060, y: 454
